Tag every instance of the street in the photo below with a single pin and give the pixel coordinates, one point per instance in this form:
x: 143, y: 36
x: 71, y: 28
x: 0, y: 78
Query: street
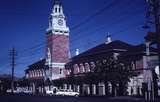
x: 68, y: 99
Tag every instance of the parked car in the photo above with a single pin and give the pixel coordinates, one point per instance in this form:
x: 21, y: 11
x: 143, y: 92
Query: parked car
x: 14, y: 91
x: 27, y: 92
x: 64, y: 92
x: 49, y: 92
x: 21, y: 92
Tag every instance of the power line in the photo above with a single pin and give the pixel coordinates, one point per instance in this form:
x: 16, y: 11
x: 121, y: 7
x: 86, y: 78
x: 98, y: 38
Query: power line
x: 128, y: 3
x: 98, y: 28
x: 114, y: 33
x: 89, y: 18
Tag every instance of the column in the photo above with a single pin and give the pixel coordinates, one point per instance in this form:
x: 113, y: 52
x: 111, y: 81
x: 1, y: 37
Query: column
x: 33, y: 88
x: 70, y: 87
x: 93, y: 89
x: 78, y: 88
x: 65, y: 86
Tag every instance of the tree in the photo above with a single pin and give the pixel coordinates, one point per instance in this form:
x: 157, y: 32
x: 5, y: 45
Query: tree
x: 115, y: 71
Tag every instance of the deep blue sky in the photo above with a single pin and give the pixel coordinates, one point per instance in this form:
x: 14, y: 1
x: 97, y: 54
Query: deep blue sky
x: 23, y: 24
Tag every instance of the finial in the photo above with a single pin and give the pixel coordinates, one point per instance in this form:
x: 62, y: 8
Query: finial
x: 108, y: 38
x: 77, y: 52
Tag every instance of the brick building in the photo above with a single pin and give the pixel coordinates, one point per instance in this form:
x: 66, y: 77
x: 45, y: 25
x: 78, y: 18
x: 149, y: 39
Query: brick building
x: 80, y: 72
x: 82, y: 67
x: 35, y: 76
x: 57, y: 53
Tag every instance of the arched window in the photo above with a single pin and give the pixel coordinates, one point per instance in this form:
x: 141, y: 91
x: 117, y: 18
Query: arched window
x: 82, y: 69
x: 56, y: 10
x: 87, y: 67
x: 92, y: 66
x: 76, y: 68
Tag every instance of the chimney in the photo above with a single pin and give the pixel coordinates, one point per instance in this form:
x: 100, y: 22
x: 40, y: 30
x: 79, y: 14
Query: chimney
x: 77, y: 52
x: 109, y: 40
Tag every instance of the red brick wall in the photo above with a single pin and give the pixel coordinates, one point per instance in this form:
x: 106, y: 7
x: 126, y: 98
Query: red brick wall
x: 139, y: 64
x: 59, y: 46
x: 56, y: 70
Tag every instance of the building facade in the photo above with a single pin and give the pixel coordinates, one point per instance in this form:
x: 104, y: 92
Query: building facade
x: 35, y: 75
x: 86, y: 76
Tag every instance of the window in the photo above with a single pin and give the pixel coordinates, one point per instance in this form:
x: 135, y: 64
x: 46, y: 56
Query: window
x: 92, y: 64
x: 87, y: 67
x: 133, y: 65
x: 76, y: 68
x: 33, y: 73
x: 68, y: 72
x: 60, y: 71
x: 59, y: 9
x: 82, y: 68
x: 56, y: 10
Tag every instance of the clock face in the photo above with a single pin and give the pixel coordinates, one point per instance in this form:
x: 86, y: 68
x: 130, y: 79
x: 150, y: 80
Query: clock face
x: 60, y: 22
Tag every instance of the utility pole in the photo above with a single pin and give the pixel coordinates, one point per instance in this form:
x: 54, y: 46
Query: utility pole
x: 13, y: 56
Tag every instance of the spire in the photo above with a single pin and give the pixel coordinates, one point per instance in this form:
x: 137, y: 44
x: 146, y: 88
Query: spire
x: 58, y: 2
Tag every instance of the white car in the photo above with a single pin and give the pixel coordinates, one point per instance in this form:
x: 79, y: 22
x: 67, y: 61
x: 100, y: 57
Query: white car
x: 64, y: 92
x: 49, y: 92
x: 27, y: 92
x: 14, y: 91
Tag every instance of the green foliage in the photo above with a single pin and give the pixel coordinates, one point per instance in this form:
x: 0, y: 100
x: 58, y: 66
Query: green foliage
x: 116, y: 72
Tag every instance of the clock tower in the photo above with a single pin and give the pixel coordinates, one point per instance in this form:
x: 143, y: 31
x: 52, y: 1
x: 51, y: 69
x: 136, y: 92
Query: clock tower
x: 57, y: 47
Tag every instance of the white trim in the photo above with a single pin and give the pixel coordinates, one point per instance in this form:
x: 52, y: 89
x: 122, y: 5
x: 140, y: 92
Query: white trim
x: 59, y: 31
x: 59, y: 65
